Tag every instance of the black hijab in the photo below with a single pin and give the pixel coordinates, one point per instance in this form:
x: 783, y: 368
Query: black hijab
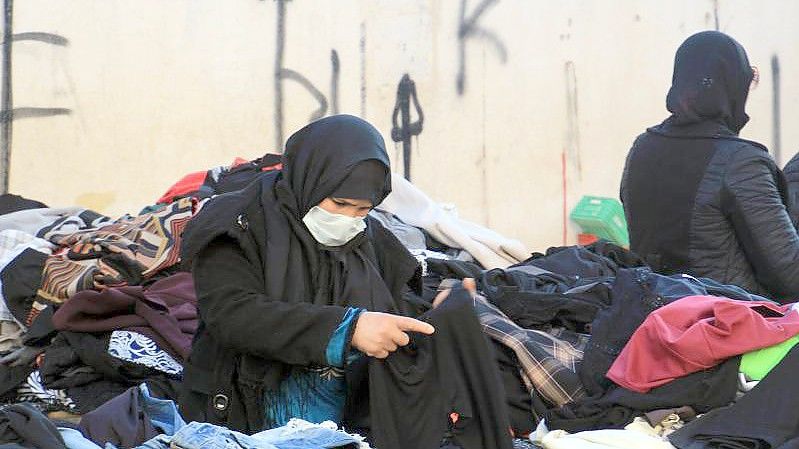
x: 334, y: 155
x: 709, y: 87
x: 321, y: 156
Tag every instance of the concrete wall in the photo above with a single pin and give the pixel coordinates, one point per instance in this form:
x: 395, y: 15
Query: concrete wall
x: 130, y: 95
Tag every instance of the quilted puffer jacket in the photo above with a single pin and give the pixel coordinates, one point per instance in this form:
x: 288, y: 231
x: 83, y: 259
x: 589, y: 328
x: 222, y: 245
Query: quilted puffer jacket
x: 699, y: 199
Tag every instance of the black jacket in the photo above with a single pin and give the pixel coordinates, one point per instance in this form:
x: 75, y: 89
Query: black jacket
x: 791, y: 171
x: 700, y: 200
x: 246, y: 339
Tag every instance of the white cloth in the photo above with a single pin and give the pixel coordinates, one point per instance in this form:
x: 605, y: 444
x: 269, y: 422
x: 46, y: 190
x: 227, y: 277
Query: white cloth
x: 32, y: 221
x: 137, y: 348
x: 415, y: 208
x: 597, y: 439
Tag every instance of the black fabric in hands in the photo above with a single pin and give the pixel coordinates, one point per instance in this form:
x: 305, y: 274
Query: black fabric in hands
x: 415, y: 389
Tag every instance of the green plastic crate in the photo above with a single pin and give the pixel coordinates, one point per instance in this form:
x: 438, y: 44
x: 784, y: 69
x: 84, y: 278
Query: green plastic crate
x: 603, y: 217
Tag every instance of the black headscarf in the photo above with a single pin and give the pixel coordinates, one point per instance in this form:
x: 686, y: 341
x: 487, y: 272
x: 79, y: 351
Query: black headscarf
x: 709, y: 86
x: 341, y: 153
x: 321, y: 156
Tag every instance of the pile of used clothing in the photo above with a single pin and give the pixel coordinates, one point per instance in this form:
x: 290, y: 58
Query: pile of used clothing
x: 97, y: 315
x: 590, y: 347
x: 598, y: 351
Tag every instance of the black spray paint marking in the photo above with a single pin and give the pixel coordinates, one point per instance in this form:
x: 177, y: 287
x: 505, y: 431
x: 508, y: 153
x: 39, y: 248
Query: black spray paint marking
x: 406, y: 93
x: 18, y: 113
x: 334, y: 81
x: 281, y: 73
x: 289, y: 74
x: 469, y: 28
x: 776, y: 124
x: 363, y: 69
x: 572, y: 118
x: 8, y: 113
x: 7, y: 100
x: 47, y: 38
x: 716, y: 13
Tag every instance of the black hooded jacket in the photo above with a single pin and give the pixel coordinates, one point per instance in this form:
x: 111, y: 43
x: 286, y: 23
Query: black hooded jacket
x: 698, y: 198
x: 269, y: 295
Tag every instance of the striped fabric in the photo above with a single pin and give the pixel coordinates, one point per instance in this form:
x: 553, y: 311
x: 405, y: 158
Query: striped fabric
x: 548, y: 363
x: 34, y: 392
x: 95, y: 257
x: 63, y: 277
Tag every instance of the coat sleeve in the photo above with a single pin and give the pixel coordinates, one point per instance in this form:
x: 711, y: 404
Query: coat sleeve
x: 791, y: 171
x: 239, y: 315
x: 759, y: 216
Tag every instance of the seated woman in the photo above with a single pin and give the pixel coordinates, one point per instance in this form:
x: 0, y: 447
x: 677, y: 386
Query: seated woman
x: 296, y: 286
x: 698, y: 198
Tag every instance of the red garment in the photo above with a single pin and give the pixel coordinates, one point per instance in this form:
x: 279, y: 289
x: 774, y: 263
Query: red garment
x: 191, y: 183
x: 697, y: 333
x: 187, y: 184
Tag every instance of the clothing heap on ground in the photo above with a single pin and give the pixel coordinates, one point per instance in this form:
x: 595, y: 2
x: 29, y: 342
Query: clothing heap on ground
x: 586, y: 346
x: 98, y: 315
x: 596, y: 351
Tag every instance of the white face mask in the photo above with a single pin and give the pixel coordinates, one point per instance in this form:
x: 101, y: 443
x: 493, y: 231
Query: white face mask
x: 332, y: 229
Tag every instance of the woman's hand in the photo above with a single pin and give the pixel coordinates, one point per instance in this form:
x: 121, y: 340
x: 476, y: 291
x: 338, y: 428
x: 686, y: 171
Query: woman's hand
x: 468, y: 283
x: 379, y: 334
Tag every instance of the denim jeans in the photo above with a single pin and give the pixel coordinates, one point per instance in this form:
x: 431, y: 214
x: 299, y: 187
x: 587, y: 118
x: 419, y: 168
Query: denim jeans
x: 296, y: 435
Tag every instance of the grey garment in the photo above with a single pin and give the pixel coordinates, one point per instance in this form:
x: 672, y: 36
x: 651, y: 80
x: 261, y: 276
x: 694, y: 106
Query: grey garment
x: 410, y: 236
x: 21, y: 356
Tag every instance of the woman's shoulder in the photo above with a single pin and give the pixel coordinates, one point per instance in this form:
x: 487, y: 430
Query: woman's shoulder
x: 226, y: 214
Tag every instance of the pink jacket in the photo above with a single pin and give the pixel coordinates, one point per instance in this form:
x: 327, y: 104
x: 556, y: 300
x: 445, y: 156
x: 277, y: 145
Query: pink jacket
x: 697, y: 333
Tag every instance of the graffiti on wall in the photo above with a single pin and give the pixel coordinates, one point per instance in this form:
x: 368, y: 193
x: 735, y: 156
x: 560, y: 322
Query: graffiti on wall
x: 403, y: 129
x: 282, y: 73
x: 9, y: 113
x: 470, y: 28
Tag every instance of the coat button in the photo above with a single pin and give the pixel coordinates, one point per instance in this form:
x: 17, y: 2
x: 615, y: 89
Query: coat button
x: 220, y: 402
x: 242, y: 221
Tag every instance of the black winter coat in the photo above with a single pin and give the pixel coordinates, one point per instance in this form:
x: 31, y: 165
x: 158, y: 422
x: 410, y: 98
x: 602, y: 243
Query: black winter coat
x: 698, y: 198
x: 228, y: 371
x: 711, y: 207
x: 791, y: 172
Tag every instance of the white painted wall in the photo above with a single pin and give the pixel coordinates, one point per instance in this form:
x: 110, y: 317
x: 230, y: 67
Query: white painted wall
x: 159, y: 88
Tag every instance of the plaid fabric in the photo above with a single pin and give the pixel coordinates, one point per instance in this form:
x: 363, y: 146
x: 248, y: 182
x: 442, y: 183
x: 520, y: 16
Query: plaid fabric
x: 548, y: 363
